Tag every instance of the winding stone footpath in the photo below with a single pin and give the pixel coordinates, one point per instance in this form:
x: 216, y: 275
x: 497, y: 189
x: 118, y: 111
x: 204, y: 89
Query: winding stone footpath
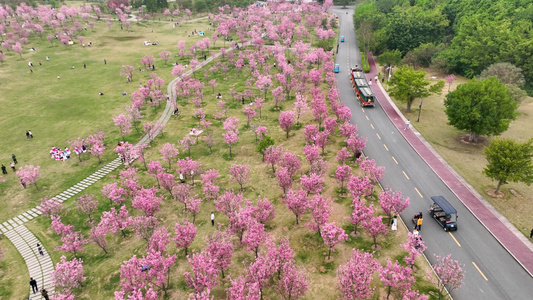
x: 40, y: 266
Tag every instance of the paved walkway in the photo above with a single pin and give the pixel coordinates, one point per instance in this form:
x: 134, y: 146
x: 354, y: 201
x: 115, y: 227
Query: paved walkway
x: 503, y: 230
x: 40, y: 266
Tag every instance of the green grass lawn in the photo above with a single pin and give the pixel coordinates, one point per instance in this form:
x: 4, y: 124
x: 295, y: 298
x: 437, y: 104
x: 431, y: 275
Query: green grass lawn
x: 60, y: 110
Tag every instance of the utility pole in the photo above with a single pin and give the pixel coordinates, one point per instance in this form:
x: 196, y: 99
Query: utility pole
x: 419, y: 109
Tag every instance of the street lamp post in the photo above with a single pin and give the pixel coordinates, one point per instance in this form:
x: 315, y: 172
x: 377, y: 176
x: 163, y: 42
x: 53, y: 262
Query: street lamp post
x: 388, y: 77
x: 419, y: 110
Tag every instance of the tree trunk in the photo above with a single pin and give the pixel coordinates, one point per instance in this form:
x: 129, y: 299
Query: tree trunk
x: 473, y: 137
x: 409, y: 102
x: 498, y: 186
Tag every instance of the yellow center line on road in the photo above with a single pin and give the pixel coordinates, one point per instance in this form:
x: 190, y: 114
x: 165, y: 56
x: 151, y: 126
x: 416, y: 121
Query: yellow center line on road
x: 378, y: 136
x: 455, y: 240
x: 419, y: 194
x: 372, y: 126
x: 480, y: 271
x: 385, y: 147
x: 405, y: 175
x: 367, y: 118
x: 394, y: 160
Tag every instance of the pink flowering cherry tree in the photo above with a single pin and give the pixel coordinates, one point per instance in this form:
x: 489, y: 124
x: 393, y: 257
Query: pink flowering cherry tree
x: 342, y: 174
x: 185, y: 234
x: 204, y: 273
x: 333, y: 235
x: 414, y: 246
x: 396, y: 279
x: 240, y: 174
x: 450, y: 274
x: 124, y: 123
x: 297, y: 202
x: 68, y: 274
x: 87, y: 205
x: 392, y: 202
x: 219, y: 247
x: 29, y: 175
x: 169, y: 152
x: 361, y: 213
x: 374, y: 227
x: 356, y: 275
x: 286, y: 121
x: 320, y: 209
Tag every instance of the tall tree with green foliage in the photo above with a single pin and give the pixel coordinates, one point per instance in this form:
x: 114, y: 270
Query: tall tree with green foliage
x: 409, y: 84
x: 509, y: 161
x: 510, y: 75
x: 409, y: 27
x: 482, y: 107
x: 390, y: 58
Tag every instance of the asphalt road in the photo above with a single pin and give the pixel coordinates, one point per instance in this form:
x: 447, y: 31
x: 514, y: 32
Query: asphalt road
x: 490, y: 271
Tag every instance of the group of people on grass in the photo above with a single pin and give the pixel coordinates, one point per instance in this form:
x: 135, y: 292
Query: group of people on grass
x: 12, y: 165
x: 58, y: 154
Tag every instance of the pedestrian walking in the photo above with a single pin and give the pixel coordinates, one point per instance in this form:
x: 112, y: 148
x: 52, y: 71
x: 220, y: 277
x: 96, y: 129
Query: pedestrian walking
x: 4, y: 171
x: 105, y: 62
x: 14, y: 158
x: 23, y: 183
x: 530, y: 234
x: 33, y: 284
x: 394, y: 224
x: 40, y: 249
x: 407, y: 124
x: 58, y: 77
x: 44, y: 293
x: 415, y: 232
x: 47, y: 58
x: 84, y: 66
x: 212, y: 219
x: 419, y: 223
x: 27, y: 135
x: 31, y: 134
x: 12, y: 165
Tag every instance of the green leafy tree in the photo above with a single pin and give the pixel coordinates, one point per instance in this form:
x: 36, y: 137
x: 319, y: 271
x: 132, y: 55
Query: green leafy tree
x: 409, y: 27
x: 390, y: 58
x: 510, y: 75
x: 266, y: 142
x: 509, y: 161
x: 409, y: 84
x: 506, y: 73
x: 478, y: 43
x: 482, y: 107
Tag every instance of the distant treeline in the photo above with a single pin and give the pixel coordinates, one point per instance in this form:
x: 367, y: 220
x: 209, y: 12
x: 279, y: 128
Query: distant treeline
x: 458, y: 36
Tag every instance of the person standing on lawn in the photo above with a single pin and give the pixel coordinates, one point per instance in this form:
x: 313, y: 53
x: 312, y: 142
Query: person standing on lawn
x: 14, y: 158
x: 212, y: 219
x: 4, y: 170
